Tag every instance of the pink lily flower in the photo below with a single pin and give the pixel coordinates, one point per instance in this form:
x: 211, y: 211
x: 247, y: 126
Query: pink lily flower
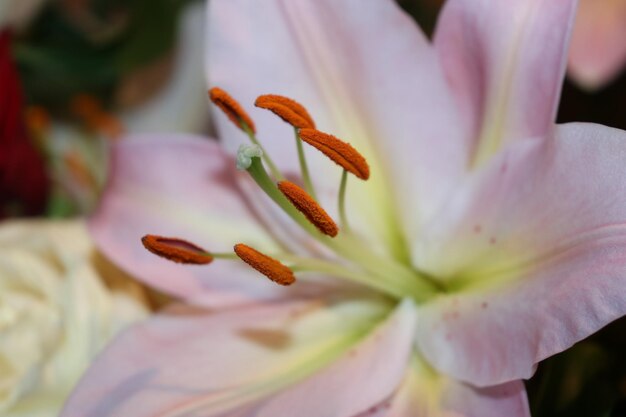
x: 486, y: 238
x: 598, y: 52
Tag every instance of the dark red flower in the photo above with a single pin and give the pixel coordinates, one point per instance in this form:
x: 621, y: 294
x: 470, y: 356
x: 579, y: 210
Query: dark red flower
x: 24, y: 183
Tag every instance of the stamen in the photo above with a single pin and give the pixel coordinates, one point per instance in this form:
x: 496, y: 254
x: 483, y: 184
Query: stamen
x: 287, y: 109
x: 38, y: 121
x: 109, y: 125
x: 79, y: 170
x: 304, y: 167
x: 95, y: 117
x: 176, y: 250
x: 309, y: 207
x: 231, y: 108
x: 266, y: 265
x: 346, y: 245
x: 341, y: 200
x: 340, y: 152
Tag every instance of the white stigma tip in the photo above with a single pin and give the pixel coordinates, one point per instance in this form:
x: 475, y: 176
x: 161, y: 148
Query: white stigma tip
x: 245, y: 153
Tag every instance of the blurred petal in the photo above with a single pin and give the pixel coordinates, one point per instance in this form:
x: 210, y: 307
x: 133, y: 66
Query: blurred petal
x: 181, y: 186
x: 182, y: 105
x: 598, y: 51
x: 534, y: 255
x: 395, y: 109
x: 362, y: 377
x: 425, y: 393
x: 198, y: 363
x: 18, y: 13
x: 506, y: 62
x: 56, y: 313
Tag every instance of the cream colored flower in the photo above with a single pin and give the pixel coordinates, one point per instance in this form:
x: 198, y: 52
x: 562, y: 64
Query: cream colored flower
x: 56, y: 312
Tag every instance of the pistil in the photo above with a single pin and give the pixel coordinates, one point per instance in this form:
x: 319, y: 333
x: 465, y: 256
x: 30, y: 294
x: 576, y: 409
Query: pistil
x: 387, y: 271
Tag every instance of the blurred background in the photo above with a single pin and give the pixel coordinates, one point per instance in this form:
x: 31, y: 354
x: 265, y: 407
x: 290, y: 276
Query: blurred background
x: 76, y: 75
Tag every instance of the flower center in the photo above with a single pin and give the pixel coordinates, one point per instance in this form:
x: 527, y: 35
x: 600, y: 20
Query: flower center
x: 355, y: 260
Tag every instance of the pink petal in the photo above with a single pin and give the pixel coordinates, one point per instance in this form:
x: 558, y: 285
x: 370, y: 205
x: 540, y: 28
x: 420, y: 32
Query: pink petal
x: 506, y: 62
x: 364, y: 376
x: 425, y: 393
x: 245, y: 362
x: 534, y: 255
x: 598, y: 51
x: 367, y: 75
x: 181, y: 186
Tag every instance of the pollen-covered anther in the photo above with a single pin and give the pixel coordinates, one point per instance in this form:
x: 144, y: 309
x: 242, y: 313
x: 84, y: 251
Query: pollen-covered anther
x: 231, y: 108
x: 287, y: 109
x: 309, y: 207
x: 342, y: 153
x: 176, y: 250
x: 266, y: 265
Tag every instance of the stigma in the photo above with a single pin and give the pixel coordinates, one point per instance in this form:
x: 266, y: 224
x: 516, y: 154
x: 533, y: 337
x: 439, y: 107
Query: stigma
x: 245, y: 153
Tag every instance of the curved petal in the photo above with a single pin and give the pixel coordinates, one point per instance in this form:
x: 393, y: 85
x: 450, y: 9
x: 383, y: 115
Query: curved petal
x: 505, y: 61
x: 425, y: 393
x: 598, y: 51
x: 253, y: 361
x: 395, y: 108
x: 535, y: 258
x: 183, y: 186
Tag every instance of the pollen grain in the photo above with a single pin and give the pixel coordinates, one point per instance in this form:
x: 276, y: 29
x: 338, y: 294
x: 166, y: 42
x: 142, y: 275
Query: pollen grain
x: 266, y: 265
x: 342, y: 153
x: 231, y: 108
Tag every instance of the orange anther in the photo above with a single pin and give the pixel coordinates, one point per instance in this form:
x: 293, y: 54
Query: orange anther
x: 37, y: 120
x: 340, y: 152
x: 79, y: 170
x: 309, y: 207
x: 287, y: 109
x: 266, y: 265
x: 176, y: 250
x: 231, y: 108
x: 108, y: 125
x: 95, y: 117
x: 85, y: 106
